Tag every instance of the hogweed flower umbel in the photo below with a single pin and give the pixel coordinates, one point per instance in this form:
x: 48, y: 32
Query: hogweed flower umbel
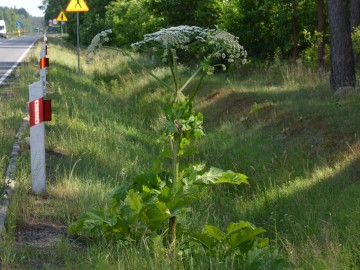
x: 97, y: 42
x: 223, y: 44
x: 207, y: 44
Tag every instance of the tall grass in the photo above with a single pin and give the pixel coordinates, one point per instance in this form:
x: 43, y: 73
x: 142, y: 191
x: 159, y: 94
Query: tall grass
x: 279, y: 125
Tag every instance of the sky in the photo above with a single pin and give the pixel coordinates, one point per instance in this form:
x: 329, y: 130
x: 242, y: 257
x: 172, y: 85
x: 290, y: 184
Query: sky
x: 31, y: 6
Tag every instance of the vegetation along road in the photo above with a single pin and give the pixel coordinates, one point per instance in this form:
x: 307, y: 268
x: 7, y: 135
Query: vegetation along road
x: 200, y: 135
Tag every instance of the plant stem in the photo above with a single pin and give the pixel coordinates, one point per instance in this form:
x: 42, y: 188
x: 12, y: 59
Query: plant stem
x: 175, y: 160
x: 172, y: 228
x: 175, y: 171
x: 191, y: 78
x: 197, y: 87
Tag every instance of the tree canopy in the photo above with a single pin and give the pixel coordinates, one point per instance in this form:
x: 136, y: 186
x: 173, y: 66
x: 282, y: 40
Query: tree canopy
x: 12, y: 15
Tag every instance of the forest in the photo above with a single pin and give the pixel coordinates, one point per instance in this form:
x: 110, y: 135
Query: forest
x: 157, y: 159
x: 291, y: 30
x: 13, y: 15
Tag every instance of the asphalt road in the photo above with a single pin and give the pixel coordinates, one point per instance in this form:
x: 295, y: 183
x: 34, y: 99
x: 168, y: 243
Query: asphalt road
x: 12, y: 52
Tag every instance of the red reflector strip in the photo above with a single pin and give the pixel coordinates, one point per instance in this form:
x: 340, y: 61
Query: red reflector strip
x: 36, y: 110
x: 44, y: 62
x: 47, y: 109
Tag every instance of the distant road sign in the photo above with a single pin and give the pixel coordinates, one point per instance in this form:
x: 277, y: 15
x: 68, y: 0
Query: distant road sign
x: 62, y: 17
x: 55, y: 21
x: 18, y: 23
x: 77, y: 6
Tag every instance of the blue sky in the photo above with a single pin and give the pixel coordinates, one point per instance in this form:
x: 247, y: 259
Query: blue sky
x: 31, y: 6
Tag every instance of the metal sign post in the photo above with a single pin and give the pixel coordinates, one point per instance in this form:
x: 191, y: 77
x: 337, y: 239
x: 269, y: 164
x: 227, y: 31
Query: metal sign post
x: 78, y: 40
x: 77, y: 6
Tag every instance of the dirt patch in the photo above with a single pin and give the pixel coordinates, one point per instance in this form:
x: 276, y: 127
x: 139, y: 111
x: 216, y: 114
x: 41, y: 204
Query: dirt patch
x: 39, y: 235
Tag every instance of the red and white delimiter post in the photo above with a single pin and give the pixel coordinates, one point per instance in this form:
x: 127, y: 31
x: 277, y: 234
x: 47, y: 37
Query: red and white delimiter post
x: 40, y: 111
x: 37, y: 137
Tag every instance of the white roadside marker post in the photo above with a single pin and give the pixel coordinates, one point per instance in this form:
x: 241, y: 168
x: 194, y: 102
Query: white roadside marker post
x: 37, y: 137
x: 40, y: 111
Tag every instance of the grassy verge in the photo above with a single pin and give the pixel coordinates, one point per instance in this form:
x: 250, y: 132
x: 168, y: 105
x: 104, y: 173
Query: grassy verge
x: 284, y: 129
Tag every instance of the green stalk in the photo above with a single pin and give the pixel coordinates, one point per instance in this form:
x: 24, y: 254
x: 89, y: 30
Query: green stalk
x: 174, y: 60
x: 197, y: 88
x: 191, y: 78
x: 175, y: 172
x: 175, y: 161
x: 171, y: 66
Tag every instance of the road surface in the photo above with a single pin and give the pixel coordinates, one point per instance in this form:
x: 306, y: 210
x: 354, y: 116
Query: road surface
x: 12, y: 52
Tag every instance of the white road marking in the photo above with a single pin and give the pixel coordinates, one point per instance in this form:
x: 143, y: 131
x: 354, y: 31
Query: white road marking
x: 2, y: 79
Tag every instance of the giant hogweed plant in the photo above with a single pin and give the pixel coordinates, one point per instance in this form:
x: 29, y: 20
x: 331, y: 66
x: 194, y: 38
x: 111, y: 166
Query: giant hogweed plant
x: 148, y: 206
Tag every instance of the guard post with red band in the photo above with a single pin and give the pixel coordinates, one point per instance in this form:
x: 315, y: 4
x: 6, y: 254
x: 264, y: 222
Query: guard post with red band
x: 37, y: 137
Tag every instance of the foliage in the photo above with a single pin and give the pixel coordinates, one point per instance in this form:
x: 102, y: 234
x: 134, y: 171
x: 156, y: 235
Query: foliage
x: 355, y: 36
x: 309, y: 55
x: 262, y: 25
x: 142, y: 207
x: 242, y: 242
x: 140, y: 210
x: 204, y: 13
x: 128, y: 26
x: 12, y: 15
x: 266, y: 25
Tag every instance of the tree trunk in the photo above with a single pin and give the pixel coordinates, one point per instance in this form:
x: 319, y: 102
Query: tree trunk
x: 320, y: 40
x: 341, y: 53
x: 354, y: 22
x: 295, y: 29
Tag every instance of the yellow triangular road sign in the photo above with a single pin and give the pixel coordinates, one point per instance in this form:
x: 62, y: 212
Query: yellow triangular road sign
x: 77, y: 6
x: 62, y: 17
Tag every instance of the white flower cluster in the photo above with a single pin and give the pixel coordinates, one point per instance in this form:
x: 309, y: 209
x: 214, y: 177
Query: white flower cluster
x: 97, y: 42
x: 223, y: 44
x: 173, y: 38
x: 226, y: 46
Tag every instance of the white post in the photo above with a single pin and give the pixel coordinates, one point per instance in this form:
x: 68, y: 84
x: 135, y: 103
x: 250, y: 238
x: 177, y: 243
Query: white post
x: 37, y: 137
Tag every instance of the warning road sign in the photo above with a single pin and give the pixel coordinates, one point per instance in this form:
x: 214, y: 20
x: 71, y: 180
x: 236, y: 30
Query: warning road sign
x: 77, y: 6
x: 62, y: 17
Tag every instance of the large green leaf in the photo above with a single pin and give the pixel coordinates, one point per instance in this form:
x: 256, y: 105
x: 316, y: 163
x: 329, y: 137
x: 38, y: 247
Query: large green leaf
x: 150, y: 180
x: 205, y: 239
x: 246, y: 235
x: 215, y: 232
x: 218, y: 176
x: 155, y: 213
x: 134, y: 201
x: 233, y: 227
x: 232, y: 178
x: 118, y: 194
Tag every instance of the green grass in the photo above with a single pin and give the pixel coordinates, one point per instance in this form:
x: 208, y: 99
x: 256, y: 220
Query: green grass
x: 281, y: 126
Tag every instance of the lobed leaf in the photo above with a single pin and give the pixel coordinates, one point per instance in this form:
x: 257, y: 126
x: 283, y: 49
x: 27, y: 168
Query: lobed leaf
x: 134, y: 201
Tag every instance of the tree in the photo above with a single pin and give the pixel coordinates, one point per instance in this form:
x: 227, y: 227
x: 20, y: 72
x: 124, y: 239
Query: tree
x: 341, y: 53
x: 320, y: 6
x: 355, y: 21
x: 203, y: 13
x: 295, y: 30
